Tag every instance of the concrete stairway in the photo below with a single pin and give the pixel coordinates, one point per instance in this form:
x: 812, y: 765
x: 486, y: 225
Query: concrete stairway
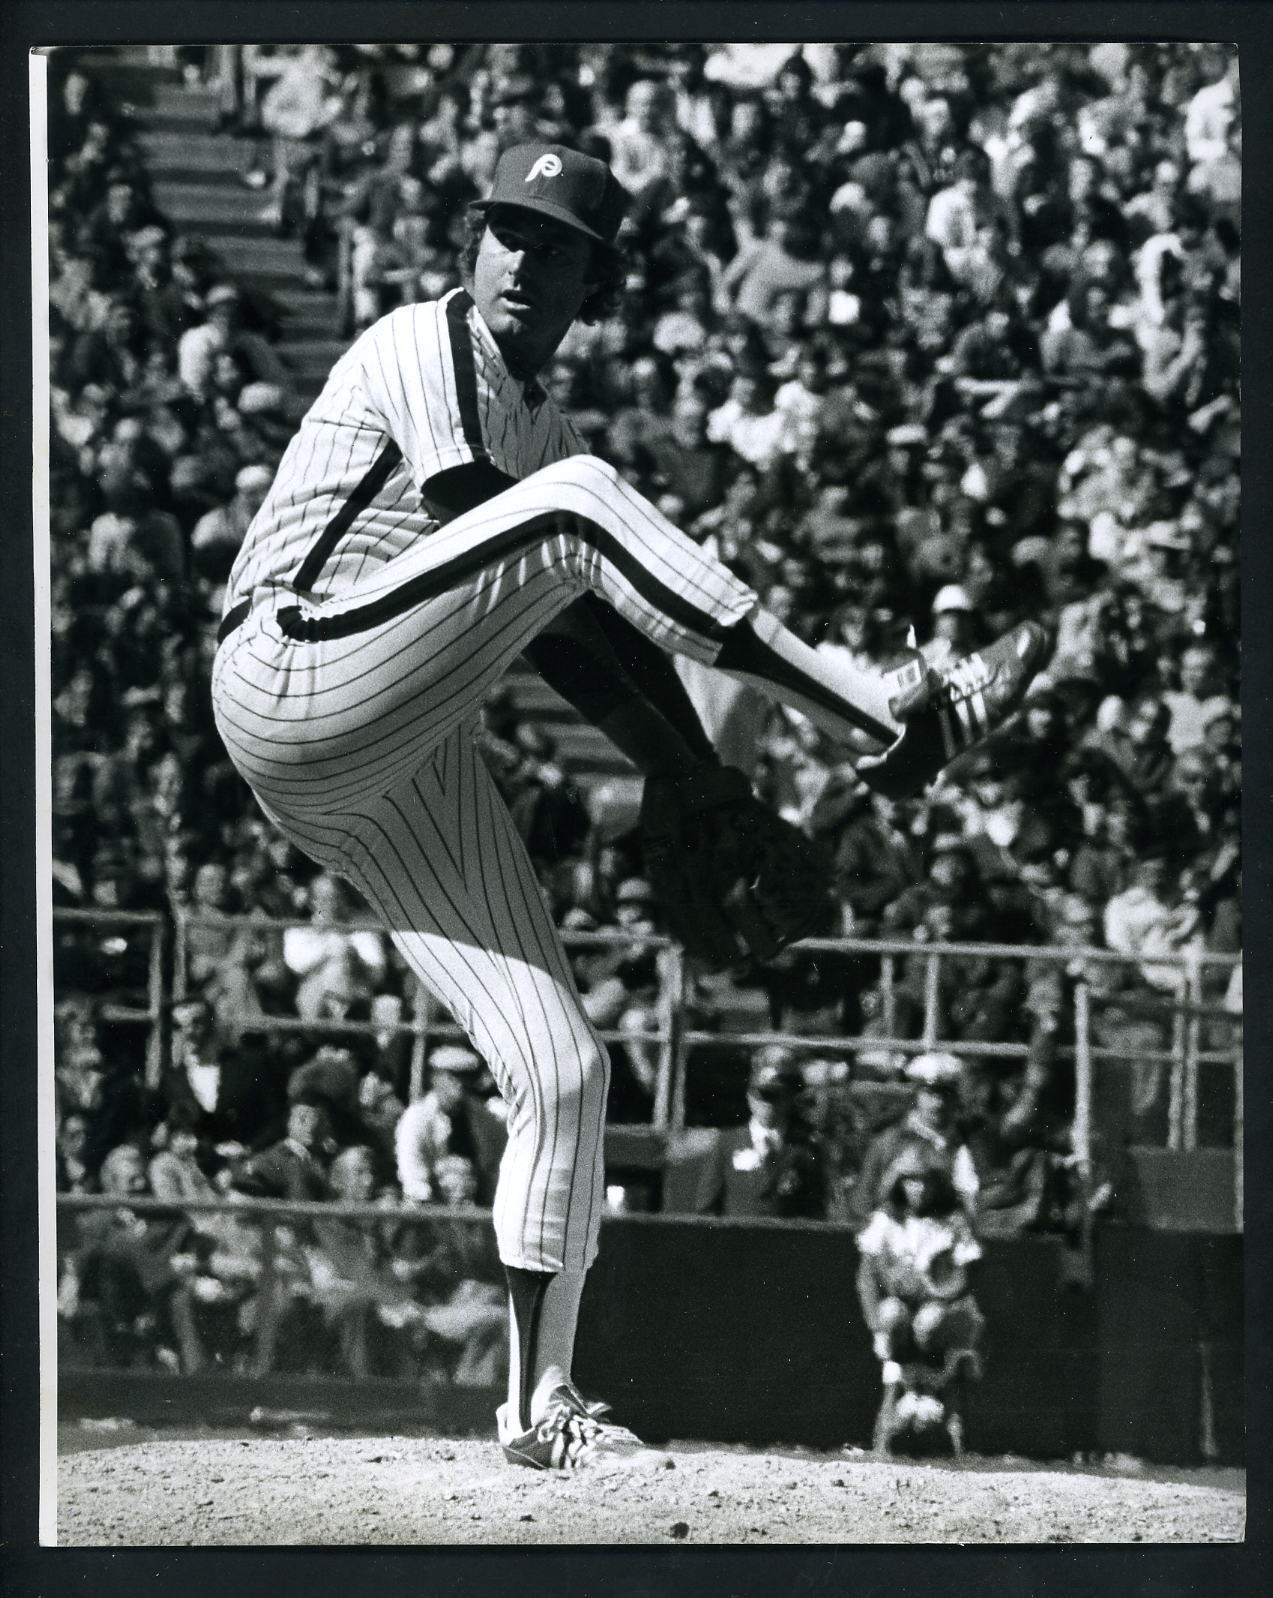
x: 197, y: 177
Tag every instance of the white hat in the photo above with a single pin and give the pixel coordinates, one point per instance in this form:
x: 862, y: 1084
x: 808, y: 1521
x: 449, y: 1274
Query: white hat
x: 1111, y: 714
x: 454, y: 1057
x: 255, y: 398
x: 936, y: 1069
x: 952, y: 597
x: 249, y: 477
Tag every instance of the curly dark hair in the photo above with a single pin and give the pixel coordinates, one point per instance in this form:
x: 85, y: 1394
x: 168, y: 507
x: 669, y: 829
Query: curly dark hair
x: 609, y: 264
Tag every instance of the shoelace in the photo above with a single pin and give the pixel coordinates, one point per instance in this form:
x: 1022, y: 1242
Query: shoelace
x: 579, y: 1433
x: 964, y: 679
x: 568, y: 1432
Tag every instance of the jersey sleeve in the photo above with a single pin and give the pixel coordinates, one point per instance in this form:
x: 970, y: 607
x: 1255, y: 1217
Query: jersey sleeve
x: 419, y: 372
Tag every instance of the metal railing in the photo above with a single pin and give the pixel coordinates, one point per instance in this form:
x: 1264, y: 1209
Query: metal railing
x: 151, y: 1015
x: 1183, y: 1014
x: 277, y: 1265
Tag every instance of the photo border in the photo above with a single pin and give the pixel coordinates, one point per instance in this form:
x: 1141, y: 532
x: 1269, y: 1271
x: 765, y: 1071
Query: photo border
x: 1161, y: 1570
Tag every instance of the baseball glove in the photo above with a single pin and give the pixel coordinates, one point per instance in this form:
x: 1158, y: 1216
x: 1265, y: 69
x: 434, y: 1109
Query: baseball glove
x: 734, y: 881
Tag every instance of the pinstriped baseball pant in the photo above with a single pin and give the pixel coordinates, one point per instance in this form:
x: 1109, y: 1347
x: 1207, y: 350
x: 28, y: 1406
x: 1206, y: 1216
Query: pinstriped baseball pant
x: 352, y: 720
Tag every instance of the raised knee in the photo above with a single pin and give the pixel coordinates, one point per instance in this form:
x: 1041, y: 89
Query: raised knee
x: 592, y: 470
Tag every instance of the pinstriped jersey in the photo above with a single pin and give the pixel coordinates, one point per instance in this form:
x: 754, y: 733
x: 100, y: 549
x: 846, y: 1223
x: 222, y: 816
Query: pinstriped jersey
x: 422, y: 390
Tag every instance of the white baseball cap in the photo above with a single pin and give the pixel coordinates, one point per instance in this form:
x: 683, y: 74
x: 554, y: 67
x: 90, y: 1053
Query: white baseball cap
x: 935, y: 1069
x: 952, y: 597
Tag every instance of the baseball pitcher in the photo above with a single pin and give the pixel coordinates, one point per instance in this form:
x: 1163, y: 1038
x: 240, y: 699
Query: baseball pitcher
x: 435, y: 517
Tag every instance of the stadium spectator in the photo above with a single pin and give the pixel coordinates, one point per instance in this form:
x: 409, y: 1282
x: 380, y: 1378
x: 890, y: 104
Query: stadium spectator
x: 1194, y: 705
x: 217, y: 535
x: 130, y: 1285
x: 336, y: 969
x: 1027, y: 391
x: 225, y: 332
x: 368, y: 1306
x: 452, y: 1118
x: 926, y: 1137
x: 235, y: 1098
x: 914, y: 1257
x: 775, y: 1165
x: 295, y: 1168
x: 1156, y: 915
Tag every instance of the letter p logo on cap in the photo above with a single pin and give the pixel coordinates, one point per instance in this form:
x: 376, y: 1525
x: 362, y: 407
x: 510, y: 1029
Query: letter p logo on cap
x: 547, y: 166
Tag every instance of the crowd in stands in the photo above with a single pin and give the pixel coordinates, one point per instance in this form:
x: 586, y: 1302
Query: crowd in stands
x: 915, y: 336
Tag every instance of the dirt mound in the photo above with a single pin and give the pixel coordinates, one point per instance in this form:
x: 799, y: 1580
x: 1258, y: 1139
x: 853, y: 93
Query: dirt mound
x: 395, y: 1490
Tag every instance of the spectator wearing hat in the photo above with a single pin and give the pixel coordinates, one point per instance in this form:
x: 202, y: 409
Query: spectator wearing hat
x: 256, y: 422
x: 954, y: 626
x: 216, y: 537
x: 163, y: 306
x: 775, y: 1165
x: 928, y: 1137
x: 453, y: 1117
x: 225, y: 331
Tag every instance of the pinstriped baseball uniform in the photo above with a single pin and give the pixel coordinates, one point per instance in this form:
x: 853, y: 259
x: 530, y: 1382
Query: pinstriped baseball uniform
x: 360, y: 638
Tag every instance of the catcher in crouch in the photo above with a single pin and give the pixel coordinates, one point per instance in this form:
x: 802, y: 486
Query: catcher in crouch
x: 434, y: 517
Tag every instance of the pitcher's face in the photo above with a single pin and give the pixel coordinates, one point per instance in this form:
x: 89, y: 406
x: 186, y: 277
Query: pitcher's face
x: 530, y: 280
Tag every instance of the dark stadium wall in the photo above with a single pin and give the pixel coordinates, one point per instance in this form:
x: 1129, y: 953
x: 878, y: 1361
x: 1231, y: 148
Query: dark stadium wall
x: 746, y: 1333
